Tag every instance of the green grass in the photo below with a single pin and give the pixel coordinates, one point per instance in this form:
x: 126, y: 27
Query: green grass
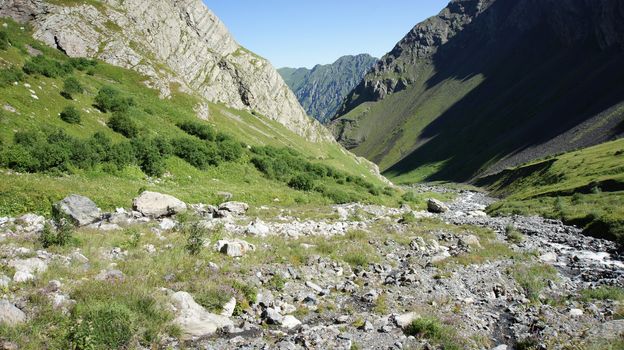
x: 153, y: 117
x: 533, y: 278
x: 434, y: 330
x: 603, y: 293
x: 584, y: 188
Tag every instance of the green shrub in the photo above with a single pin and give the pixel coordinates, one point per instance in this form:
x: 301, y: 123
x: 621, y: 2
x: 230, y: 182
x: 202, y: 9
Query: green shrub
x: 110, y: 99
x: 213, y: 299
x: 81, y: 63
x: 110, y: 324
x: 71, y: 86
x: 230, y: 150
x: 120, y: 122
x: 302, y: 182
x: 47, y: 67
x: 4, y: 40
x: 195, y: 234
x: 197, y: 153
x: 11, y: 75
x: 18, y: 158
x: 202, y: 131
x: 148, y: 156
x: 432, y: 329
x: 513, y: 234
x: 121, y: 155
x: 277, y: 282
x: 409, y: 197
x: 70, y: 115
x: 62, y: 236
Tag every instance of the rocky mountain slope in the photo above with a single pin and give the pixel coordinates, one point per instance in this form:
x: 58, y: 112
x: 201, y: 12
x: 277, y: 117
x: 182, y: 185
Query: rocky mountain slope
x: 322, y: 89
x: 488, y: 84
x: 178, y: 44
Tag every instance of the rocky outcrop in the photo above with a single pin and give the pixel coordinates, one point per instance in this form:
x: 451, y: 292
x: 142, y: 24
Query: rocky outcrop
x: 175, y: 43
x: 322, y: 89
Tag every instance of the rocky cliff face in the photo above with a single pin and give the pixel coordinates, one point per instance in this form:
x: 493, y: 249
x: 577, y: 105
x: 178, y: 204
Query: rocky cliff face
x: 490, y: 83
x: 177, y: 43
x: 322, y: 89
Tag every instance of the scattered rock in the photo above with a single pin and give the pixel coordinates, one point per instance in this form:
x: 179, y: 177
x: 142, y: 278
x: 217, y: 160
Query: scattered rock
x: 194, y: 320
x: 82, y: 210
x: 25, y: 269
x: 11, y: 315
x: 31, y: 223
x: 156, y: 205
x: 228, y: 308
x: 167, y: 224
x: 257, y: 228
x: 235, y: 208
x: 234, y: 248
x: 111, y: 276
x: 406, y: 319
x: 575, y: 312
x: 436, y: 206
x: 272, y: 316
x: 290, y: 322
x: 549, y: 257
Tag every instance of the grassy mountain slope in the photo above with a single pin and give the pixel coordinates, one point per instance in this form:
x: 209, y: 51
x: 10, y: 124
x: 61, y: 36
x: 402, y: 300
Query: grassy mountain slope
x: 322, y: 89
x: 488, y: 85
x: 34, y: 102
x: 584, y: 187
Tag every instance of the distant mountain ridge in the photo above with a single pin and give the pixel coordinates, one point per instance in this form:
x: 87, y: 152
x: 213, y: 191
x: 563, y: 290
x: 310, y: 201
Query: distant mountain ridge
x: 322, y: 89
x: 488, y: 84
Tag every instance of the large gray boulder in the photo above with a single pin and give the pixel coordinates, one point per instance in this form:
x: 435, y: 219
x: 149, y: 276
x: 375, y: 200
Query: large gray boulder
x: 156, y: 205
x: 194, y: 321
x: 80, y: 209
x: 436, y: 206
x: 10, y: 315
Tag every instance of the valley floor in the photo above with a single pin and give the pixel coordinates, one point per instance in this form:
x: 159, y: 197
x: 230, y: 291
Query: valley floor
x: 335, y: 277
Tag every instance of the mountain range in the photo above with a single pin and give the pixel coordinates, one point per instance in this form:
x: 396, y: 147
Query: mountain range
x: 489, y: 84
x: 322, y: 89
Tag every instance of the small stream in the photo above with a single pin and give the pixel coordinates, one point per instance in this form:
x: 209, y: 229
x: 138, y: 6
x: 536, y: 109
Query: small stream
x: 582, y: 258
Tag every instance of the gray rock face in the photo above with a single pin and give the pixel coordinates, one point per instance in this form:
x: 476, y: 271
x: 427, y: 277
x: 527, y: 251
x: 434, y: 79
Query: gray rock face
x: 194, y: 320
x: 80, y: 209
x: 236, y: 208
x: 182, y: 35
x: 154, y: 204
x: 234, y: 248
x: 10, y: 315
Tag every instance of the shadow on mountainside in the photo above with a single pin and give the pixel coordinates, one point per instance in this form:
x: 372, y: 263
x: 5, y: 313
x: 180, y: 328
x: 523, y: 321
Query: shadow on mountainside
x: 543, y: 77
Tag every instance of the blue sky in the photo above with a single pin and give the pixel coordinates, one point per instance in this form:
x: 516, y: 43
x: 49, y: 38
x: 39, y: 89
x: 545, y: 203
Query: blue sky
x: 298, y: 33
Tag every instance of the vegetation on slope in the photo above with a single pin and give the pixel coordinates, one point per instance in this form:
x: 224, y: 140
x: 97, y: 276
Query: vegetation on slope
x: 76, y: 125
x: 584, y: 188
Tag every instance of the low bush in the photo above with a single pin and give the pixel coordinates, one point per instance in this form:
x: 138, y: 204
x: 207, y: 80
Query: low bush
x: 70, y: 115
x: 302, y: 182
x: 230, y: 150
x: 47, y: 67
x: 110, y: 99
x: 71, y: 86
x: 4, y: 40
x: 202, y: 131
x: 148, y: 156
x: 213, y: 299
x: 196, y: 152
x: 513, y: 234
x: 11, y: 75
x: 82, y: 64
x: 122, y: 123
x: 195, y: 235
x: 62, y: 235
